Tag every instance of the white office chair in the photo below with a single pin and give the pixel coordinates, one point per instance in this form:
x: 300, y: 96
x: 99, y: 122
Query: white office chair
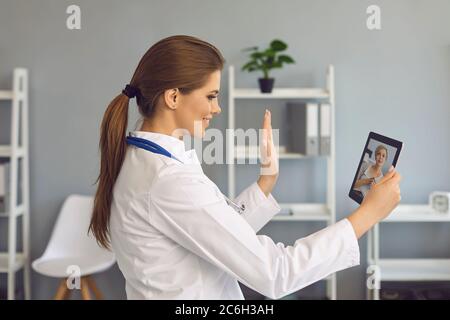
x: 71, y: 250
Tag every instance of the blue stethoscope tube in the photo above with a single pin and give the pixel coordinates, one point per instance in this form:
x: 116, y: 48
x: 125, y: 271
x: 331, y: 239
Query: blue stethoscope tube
x: 150, y: 146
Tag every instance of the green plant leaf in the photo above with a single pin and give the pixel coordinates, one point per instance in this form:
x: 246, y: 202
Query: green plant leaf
x: 267, y: 59
x: 278, y: 45
x: 270, y: 53
x: 285, y: 59
x: 250, y: 65
x: 257, y: 55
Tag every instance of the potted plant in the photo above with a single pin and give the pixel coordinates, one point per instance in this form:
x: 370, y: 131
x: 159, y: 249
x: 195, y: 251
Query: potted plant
x: 266, y: 60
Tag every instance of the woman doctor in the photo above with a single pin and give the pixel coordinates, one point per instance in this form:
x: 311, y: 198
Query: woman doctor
x: 174, y: 234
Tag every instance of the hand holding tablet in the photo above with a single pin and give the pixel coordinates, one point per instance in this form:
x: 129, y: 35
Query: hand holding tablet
x: 376, y: 183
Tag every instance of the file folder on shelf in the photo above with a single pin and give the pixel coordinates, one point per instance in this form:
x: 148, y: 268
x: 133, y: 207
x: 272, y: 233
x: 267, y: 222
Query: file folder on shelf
x: 303, y: 119
x: 325, y: 129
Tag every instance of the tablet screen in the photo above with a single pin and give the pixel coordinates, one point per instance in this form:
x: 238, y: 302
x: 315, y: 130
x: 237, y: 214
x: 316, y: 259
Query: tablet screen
x: 380, y: 152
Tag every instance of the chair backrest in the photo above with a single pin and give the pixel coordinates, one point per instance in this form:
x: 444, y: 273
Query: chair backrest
x: 70, y: 233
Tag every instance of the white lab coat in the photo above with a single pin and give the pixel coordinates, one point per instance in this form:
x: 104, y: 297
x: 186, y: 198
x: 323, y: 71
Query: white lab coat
x: 175, y: 237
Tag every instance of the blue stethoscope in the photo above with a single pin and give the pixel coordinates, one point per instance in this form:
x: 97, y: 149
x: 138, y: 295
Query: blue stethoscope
x: 156, y: 148
x: 150, y: 146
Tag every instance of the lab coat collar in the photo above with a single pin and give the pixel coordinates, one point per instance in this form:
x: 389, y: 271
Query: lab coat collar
x: 172, y: 144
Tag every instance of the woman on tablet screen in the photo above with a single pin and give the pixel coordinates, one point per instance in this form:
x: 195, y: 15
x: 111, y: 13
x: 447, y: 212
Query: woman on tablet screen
x: 371, y: 173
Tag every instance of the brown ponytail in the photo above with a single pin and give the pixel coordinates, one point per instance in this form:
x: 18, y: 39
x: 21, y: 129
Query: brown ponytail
x: 182, y: 62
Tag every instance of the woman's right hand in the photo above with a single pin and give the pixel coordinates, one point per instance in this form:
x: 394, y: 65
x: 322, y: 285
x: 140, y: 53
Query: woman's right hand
x: 378, y: 203
x: 383, y: 196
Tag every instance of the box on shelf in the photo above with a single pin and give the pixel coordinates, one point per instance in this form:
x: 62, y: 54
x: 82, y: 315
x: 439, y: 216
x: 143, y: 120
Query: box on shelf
x: 303, y: 135
x: 309, y: 128
x: 439, y: 201
x: 325, y: 129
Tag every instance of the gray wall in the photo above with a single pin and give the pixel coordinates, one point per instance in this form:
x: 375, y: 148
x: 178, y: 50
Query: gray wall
x: 394, y: 81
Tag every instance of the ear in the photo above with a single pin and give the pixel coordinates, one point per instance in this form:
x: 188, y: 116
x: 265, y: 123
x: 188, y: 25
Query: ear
x: 171, y: 97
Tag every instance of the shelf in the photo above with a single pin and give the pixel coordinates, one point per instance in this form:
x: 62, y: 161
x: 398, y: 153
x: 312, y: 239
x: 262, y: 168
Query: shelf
x: 414, y: 269
x: 17, y: 99
x: 19, y: 263
x: 395, y: 269
x: 6, y: 95
x: 252, y: 152
x: 281, y: 93
x: 416, y: 213
x: 6, y: 151
x: 20, y: 211
x: 303, y: 212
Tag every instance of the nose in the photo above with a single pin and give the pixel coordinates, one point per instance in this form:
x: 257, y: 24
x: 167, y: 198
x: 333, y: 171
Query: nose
x: 216, y: 110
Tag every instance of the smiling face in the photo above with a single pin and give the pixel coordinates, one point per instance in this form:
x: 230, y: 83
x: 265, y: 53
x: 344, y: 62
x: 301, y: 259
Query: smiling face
x: 380, y: 157
x: 196, y: 109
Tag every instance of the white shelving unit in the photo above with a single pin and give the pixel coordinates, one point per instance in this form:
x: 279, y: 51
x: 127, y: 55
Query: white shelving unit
x: 17, y: 154
x: 325, y: 212
x: 405, y: 269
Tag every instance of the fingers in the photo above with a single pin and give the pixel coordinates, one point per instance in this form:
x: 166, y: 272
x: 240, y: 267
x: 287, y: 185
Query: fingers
x: 264, y: 153
x: 266, y: 126
x: 388, y: 175
x: 267, y: 135
x: 267, y: 120
x: 393, y: 184
x: 398, y: 192
x: 269, y: 159
x: 396, y: 178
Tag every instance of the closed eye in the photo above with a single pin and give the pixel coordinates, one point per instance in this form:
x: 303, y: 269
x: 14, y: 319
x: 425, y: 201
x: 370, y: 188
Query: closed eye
x: 211, y: 97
